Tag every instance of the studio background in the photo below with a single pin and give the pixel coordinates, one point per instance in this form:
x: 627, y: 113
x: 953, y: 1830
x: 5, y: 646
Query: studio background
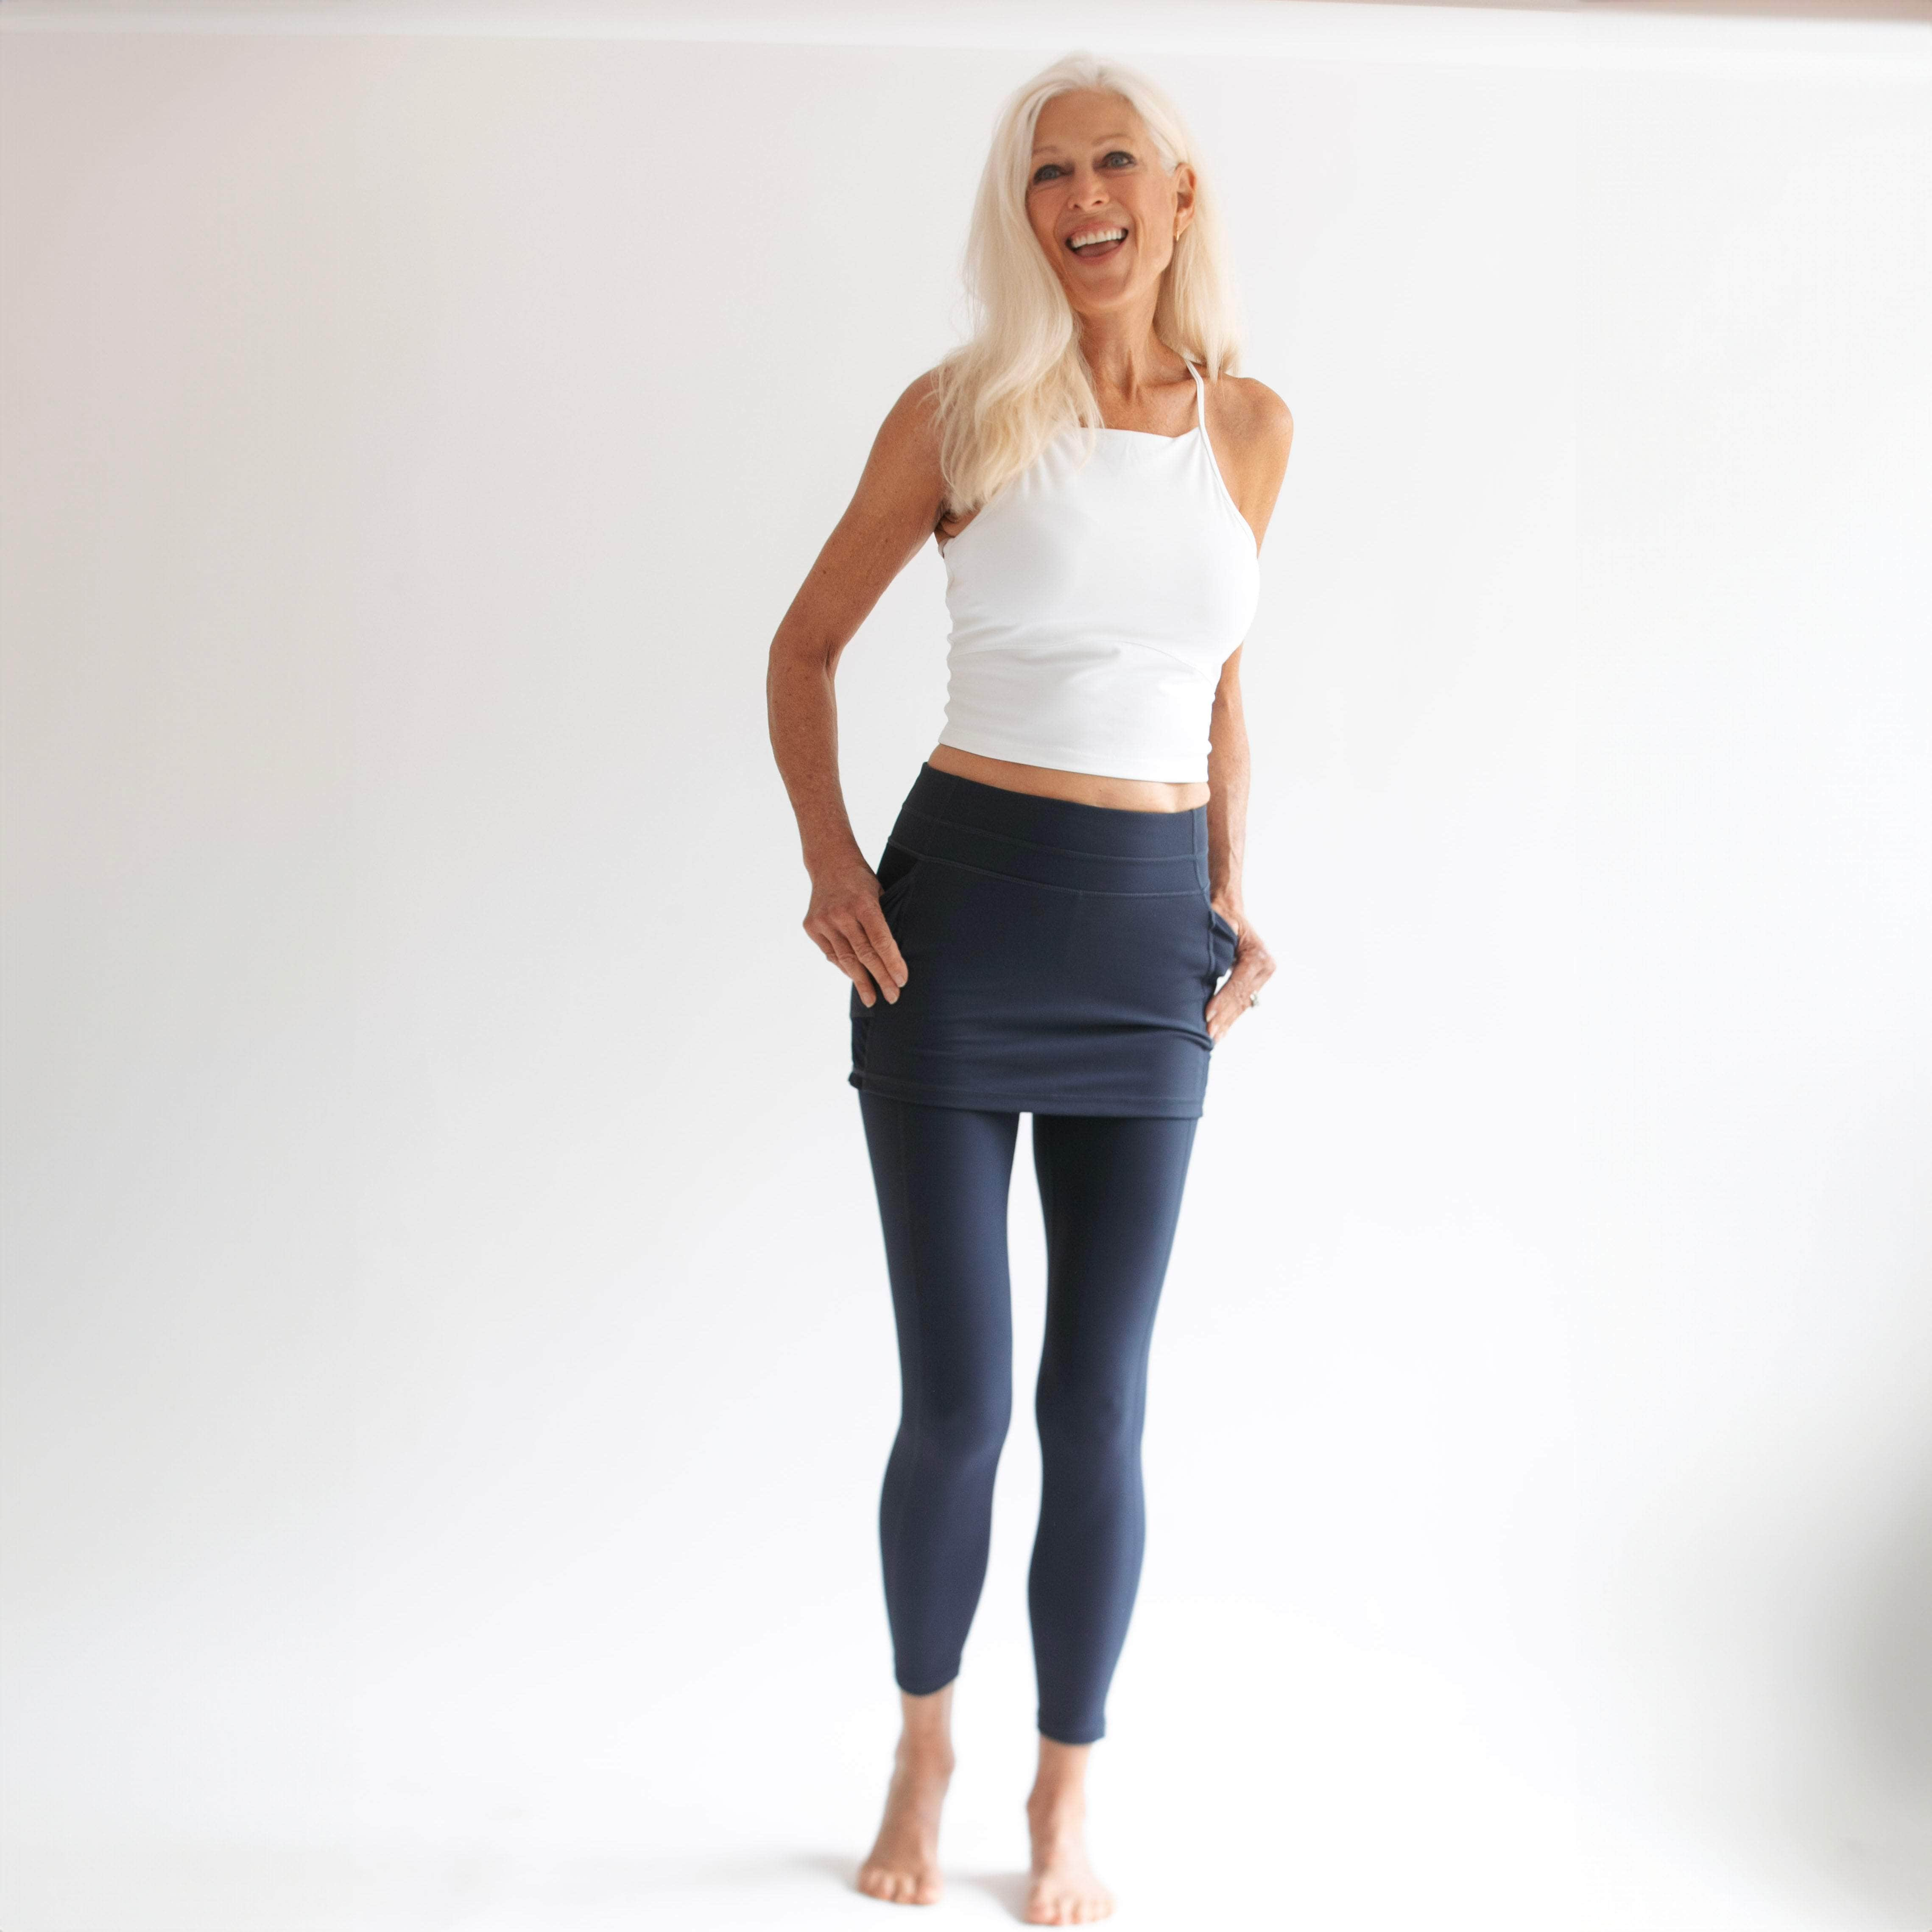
x: 450, y: 1368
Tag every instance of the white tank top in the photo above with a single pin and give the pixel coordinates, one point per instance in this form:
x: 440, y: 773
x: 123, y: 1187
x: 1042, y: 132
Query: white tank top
x: 1094, y: 604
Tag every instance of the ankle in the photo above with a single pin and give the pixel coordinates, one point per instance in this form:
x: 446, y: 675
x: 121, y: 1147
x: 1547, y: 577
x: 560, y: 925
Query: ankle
x: 924, y: 1757
x: 1056, y: 1807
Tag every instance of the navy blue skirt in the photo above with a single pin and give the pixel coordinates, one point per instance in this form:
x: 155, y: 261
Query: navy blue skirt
x: 1060, y: 957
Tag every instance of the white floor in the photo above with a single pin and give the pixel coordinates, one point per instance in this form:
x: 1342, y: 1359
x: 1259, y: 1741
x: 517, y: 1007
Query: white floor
x: 1261, y: 1772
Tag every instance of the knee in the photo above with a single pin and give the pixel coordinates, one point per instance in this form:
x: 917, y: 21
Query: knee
x: 1089, y: 1417
x: 965, y: 1431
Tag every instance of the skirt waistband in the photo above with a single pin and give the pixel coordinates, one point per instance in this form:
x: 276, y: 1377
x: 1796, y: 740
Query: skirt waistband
x: 1053, y: 842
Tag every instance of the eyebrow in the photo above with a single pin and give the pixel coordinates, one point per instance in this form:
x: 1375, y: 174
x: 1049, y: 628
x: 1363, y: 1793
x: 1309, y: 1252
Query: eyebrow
x: 1051, y: 146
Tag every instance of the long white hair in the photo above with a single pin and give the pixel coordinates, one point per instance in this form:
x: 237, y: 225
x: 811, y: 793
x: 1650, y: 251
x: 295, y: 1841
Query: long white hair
x: 1021, y: 378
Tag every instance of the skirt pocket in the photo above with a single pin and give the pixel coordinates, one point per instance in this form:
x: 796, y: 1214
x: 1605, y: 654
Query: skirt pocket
x: 897, y: 868
x: 1223, y: 943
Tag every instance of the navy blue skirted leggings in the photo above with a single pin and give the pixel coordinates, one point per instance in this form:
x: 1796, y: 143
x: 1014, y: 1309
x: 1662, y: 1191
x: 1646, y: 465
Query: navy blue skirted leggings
x: 1110, y: 1193
x: 1059, y: 957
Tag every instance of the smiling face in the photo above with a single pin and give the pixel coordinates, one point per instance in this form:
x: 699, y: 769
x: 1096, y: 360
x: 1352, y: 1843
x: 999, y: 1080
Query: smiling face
x: 1105, y: 210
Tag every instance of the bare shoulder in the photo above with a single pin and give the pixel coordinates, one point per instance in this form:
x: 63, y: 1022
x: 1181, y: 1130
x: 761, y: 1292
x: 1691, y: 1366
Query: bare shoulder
x: 910, y: 431
x: 902, y: 487
x: 1252, y: 424
x: 1261, y: 425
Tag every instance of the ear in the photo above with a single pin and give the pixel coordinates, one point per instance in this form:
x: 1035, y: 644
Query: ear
x: 1183, y: 197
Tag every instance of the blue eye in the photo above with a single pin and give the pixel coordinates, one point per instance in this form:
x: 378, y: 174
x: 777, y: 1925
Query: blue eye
x: 1047, y: 169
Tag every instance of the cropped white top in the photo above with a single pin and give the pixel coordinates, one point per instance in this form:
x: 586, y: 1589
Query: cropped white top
x: 1094, y: 603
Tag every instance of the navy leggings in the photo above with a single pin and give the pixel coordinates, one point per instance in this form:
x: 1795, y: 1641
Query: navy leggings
x: 1110, y: 1192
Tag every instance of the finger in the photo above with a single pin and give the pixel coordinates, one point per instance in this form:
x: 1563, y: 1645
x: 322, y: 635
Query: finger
x: 840, y: 952
x: 1235, y: 995
x: 865, y: 955
x: 885, y: 947
x: 871, y: 940
x: 1253, y: 968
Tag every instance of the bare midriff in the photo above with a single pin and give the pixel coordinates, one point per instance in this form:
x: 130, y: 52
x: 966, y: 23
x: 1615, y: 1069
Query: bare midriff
x: 1080, y: 787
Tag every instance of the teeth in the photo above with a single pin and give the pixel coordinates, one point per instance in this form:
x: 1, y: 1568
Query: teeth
x: 1102, y: 235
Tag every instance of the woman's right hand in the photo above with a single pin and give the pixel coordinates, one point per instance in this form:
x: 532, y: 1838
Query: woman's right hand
x: 845, y: 923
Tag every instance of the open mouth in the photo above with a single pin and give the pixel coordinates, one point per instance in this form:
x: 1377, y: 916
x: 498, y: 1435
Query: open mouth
x: 1090, y: 243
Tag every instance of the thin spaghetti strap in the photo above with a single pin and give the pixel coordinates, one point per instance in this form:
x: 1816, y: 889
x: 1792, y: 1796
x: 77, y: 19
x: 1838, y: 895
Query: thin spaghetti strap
x: 1221, y: 489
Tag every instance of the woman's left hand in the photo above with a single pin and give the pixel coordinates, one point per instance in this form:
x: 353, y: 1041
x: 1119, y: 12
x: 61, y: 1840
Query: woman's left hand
x: 1254, y: 967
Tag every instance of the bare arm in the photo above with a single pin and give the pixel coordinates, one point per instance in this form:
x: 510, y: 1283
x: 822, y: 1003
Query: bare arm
x: 1227, y: 844
x: 892, y: 512
x: 1227, y: 795
x: 1265, y: 430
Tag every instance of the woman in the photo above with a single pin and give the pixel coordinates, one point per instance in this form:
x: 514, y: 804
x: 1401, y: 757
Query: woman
x: 1051, y: 921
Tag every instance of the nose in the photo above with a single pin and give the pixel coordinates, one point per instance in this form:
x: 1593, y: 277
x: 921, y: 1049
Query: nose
x: 1089, y: 190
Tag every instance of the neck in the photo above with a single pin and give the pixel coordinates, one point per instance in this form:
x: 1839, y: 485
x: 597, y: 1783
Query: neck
x: 1123, y: 355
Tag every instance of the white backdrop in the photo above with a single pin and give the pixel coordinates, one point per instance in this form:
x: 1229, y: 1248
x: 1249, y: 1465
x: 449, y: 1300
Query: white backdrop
x: 451, y: 1366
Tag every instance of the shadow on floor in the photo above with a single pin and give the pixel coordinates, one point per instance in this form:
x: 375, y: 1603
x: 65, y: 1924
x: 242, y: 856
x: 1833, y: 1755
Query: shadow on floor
x: 1010, y: 1888
x: 1007, y: 1889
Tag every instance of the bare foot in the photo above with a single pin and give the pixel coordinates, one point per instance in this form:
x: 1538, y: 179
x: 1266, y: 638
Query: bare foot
x: 1064, y: 1890
x: 903, y: 1867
